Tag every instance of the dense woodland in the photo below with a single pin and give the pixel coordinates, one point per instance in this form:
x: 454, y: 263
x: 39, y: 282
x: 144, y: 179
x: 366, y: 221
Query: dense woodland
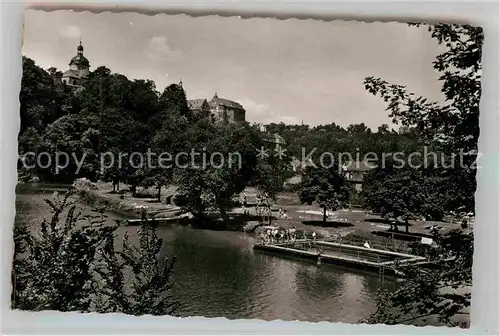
x: 112, y: 113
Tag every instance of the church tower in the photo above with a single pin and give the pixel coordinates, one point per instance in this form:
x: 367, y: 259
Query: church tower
x: 78, y: 68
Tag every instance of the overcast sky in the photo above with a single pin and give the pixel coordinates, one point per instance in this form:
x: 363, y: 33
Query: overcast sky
x: 280, y: 70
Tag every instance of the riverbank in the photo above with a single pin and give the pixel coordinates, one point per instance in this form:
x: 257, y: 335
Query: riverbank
x: 351, y: 226
x: 217, y: 274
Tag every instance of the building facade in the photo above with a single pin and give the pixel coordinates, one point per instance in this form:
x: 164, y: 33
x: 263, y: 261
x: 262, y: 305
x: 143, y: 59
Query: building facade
x: 226, y: 111
x: 219, y: 110
x: 79, y: 68
x: 275, y: 141
x: 200, y: 107
x: 355, y: 171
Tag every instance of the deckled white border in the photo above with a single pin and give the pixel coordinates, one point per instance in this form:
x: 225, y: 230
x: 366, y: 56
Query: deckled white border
x: 485, y: 294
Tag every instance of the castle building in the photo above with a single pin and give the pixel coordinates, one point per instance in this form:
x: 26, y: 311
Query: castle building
x: 200, y: 107
x: 78, y: 69
x: 219, y: 109
x: 225, y: 110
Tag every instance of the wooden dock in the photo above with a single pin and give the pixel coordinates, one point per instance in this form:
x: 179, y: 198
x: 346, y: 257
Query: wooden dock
x: 351, y: 256
x: 156, y: 221
x: 405, y: 236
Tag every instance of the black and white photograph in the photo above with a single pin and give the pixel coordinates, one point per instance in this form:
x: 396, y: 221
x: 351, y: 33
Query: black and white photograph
x: 247, y: 168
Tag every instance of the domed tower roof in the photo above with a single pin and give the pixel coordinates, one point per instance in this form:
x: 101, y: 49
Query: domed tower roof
x: 80, y: 60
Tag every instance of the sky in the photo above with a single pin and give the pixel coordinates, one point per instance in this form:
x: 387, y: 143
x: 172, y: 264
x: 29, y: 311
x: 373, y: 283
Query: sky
x: 289, y: 71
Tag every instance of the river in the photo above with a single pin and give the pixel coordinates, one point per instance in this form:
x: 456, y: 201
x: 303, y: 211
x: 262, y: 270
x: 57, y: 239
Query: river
x: 218, y: 274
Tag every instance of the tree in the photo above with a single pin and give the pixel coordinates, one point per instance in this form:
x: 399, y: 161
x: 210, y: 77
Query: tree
x: 270, y: 176
x: 68, y: 140
x: 402, y: 193
x: 454, y: 125
x: 383, y: 129
x: 151, y: 283
x: 439, y: 294
x: 225, y: 165
x: 170, y: 137
x: 128, y: 115
x: 358, y: 128
x: 174, y: 98
x: 71, y: 264
x: 326, y: 187
x: 42, y: 99
x: 52, y: 270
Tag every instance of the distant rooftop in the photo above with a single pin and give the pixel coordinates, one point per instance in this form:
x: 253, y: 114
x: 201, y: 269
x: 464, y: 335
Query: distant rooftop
x: 225, y: 102
x: 275, y: 138
x: 196, y: 104
x: 360, y: 166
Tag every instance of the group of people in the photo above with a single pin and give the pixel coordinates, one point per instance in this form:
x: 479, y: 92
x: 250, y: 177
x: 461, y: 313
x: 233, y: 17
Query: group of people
x: 277, y: 236
x: 262, y: 207
x: 272, y: 236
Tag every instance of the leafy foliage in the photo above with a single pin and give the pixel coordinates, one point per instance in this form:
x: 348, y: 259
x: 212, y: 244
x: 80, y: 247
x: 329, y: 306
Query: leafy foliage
x: 271, y: 174
x: 72, y: 265
x: 454, y: 126
x: 151, y: 284
x: 441, y: 293
x: 327, y: 187
x: 405, y: 193
x: 54, y: 270
x: 42, y: 100
x: 230, y: 164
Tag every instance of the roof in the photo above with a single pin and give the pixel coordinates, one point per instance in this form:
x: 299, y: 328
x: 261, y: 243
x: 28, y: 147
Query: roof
x: 294, y: 180
x: 275, y: 138
x: 279, y: 139
x: 79, y: 60
x: 196, y: 104
x: 71, y: 73
x: 225, y: 102
x: 360, y: 166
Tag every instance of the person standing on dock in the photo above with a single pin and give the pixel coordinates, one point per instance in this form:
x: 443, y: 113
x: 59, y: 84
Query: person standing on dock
x: 245, y: 204
x: 274, y: 233
x: 268, y: 236
x: 314, y: 237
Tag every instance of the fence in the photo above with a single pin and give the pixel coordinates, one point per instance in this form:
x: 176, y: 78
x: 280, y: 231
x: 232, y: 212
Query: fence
x: 376, y: 243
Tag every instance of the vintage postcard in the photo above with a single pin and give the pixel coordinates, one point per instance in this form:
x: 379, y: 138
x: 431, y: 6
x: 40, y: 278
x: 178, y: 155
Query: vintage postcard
x: 247, y: 168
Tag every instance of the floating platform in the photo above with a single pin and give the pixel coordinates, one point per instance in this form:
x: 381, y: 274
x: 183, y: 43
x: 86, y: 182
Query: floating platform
x: 406, y: 236
x: 375, y: 260
x: 156, y: 221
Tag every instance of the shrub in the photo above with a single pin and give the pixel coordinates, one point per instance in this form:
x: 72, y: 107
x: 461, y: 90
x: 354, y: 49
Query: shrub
x: 72, y: 265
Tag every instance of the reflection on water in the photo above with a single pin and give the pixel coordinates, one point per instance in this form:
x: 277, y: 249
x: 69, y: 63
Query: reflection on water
x: 218, y: 274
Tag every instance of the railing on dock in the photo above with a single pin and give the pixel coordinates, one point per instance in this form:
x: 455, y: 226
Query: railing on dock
x: 380, y: 261
x: 385, y: 244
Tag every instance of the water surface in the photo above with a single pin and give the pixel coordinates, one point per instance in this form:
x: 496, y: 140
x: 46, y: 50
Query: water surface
x: 218, y: 274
